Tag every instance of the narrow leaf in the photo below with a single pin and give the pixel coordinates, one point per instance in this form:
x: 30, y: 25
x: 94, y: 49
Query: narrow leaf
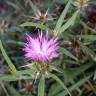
x: 13, y: 91
x: 14, y: 5
x: 34, y: 8
x: 60, y: 20
x: 78, y: 84
x: 41, y: 86
x: 15, y: 42
x: 43, y: 27
x: 10, y: 64
x: 60, y: 82
x: 69, y: 22
x: 66, y: 52
x: 88, y: 51
x: 88, y: 37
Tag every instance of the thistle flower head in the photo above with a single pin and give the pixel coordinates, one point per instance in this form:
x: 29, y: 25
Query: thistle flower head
x: 3, y: 25
x: 42, y: 17
x: 41, y: 48
x: 81, y: 3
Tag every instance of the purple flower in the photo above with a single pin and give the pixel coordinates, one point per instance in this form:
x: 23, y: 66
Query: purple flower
x: 41, y: 48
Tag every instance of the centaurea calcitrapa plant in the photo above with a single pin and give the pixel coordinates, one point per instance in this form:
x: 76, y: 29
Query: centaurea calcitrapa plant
x: 41, y: 49
x: 42, y: 58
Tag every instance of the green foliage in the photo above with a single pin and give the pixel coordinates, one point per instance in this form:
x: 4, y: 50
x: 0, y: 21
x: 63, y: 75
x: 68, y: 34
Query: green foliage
x: 73, y: 73
x: 10, y: 64
x: 62, y: 16
x: 69, y: 23
x: 43, y: 27
x: 66, y: 52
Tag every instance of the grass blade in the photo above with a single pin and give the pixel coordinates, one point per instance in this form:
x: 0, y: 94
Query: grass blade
x: 10, y: 64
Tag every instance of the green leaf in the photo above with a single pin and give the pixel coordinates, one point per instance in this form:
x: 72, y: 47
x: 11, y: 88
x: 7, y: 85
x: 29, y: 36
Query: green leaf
x: 69, y: 22
x: 71, y: 73
x: 41, y: 86
x: 87, y: 27
x: 66, y: 52
x: 60, y: 82
x: 94, y: 75
x: 14, y: 78
x: 8, y: 78
x: 54, y: 89
x: 88, y: 37
x: 34, y: 8
x: 60, y: 20
x: 41, y: 26
x: 88, y: 51
x: 10, y: 64
x: 27, y: 72
x: 15, y: 42
x: 76, y: 85
x: 13, y: 91
x: 14, y: 5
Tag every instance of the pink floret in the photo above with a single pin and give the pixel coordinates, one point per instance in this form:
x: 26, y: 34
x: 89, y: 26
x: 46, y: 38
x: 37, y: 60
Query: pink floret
x: 41, y: 48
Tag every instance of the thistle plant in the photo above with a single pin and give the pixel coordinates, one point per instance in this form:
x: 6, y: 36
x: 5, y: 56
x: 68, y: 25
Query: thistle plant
x: 56, y: 58
x: 41, y: 49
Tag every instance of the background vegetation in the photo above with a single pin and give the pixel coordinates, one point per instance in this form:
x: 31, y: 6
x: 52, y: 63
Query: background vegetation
x: 74, y: 72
